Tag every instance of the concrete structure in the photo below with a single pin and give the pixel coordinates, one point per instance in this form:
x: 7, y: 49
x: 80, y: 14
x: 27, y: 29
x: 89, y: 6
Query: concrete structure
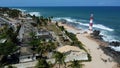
x: 73, y: 53
x: 44, y: 34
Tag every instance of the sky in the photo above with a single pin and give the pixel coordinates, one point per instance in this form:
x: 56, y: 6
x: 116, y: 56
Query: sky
x: 12, y: 3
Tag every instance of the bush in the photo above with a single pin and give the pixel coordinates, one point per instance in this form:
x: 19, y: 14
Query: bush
x: 89, y: 57
x: 71, y: 36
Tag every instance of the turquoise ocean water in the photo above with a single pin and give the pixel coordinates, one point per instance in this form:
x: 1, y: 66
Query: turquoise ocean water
x: 106, y: 19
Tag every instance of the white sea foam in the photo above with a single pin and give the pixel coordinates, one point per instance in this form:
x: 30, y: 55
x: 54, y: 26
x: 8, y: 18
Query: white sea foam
x: 100, y: 26
x: 107, y: 36
x: 22, y: 10
x: 35, y: 13
x: 59, y: 18
x: 70, y: 20
x: 115, y: 48
x: 103, y: 27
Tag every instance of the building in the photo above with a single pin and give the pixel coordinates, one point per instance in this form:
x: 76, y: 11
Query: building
x: 73, y: 53
x: 44, y: 35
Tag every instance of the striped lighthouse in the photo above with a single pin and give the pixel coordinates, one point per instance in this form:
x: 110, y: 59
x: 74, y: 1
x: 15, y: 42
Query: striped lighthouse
x: 91, y: 23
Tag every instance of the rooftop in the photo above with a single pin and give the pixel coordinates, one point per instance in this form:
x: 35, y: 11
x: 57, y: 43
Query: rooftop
x: 68, y: 48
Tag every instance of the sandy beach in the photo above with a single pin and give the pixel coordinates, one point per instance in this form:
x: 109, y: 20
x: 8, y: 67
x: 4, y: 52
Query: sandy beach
x: 99, y: 59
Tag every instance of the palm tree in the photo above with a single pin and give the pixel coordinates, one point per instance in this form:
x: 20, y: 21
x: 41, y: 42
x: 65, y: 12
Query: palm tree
x: 7, y: 48
x: 32, y: 34
x: 50, y: 46
x: 42, y: 64
x: 41, y: 48
x: 75, y: 64
x: 59, y: 58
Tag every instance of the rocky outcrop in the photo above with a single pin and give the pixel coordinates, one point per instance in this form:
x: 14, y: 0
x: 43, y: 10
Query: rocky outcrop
x: 114, y: 43
x: 96, y: 35
x: 110, y: 52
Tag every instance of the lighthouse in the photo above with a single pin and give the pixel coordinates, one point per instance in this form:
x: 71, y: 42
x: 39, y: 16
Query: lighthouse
x: 91, y: 23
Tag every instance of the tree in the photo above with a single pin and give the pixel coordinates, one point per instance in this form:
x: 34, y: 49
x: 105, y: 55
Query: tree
x: 32, y: 34
x: 59, y: 58
x: 51, y: 46
x: 34, y: 43
x: 41, y: 48
x: 56, y: 24
x: 7, y: 48
x: 49, y: 18
x: 13, y: 35
x: 38, y: 21
x: 42, y: 64
x: 75, y: 64
x: 14, y: 13
x: 62, y: 28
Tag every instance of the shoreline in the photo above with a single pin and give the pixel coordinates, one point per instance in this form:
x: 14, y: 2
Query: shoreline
x: 92, y: 46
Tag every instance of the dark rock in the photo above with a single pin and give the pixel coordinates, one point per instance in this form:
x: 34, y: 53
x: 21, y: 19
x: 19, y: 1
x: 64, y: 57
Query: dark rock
x: 110, y: 52
x: 96, y: 35
x: 114, y: 43
x: 63, y: 21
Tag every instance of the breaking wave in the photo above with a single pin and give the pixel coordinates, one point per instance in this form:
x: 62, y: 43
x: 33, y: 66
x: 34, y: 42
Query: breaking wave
x: 105, y: 31
x: 116, y: 48
x: 22, y: 10
x: 35, y: 13
x: 99, y: 26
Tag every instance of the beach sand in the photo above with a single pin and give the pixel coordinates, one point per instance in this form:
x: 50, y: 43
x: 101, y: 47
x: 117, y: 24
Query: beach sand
x: 99, y: 59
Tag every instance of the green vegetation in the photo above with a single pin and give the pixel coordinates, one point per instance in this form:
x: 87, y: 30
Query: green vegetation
x: 78, y: 43
x: 10, y: 66
x: 75, y: 40
x: 42, y: 21
x: 89, y: 57
x: 42, y: 64
x: 13, y: 13
x: 72, y: 36
x: 7, y: 48
x: 59, y: 58
x: 38, y: 46
x: 12, y: 35
x: 62, y: 28
x: 53, y: 28
x: 75, y: 64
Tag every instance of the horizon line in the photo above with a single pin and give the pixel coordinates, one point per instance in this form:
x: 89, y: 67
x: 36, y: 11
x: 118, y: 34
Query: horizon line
x: 59, y: 6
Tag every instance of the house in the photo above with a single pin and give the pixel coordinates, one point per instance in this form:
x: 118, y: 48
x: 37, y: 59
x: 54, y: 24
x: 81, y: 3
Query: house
x: 5, y: 15
x: 26, y: 54
x: 44, y: 35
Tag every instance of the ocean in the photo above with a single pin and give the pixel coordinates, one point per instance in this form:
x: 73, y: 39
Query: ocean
x: 106, y: 19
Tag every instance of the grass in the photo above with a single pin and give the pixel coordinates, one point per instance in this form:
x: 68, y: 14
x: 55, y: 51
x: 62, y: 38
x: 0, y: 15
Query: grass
x: 53, y: 27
